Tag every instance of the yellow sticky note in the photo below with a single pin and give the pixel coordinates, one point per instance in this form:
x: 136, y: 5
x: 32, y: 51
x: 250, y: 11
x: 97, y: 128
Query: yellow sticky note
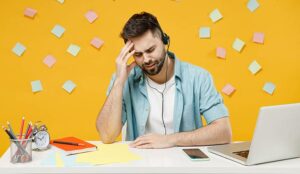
x: 107, y: 154
x: 58, y: 159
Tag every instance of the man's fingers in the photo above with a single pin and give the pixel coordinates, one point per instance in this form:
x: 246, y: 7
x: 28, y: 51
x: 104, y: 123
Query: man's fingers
x: 126, y: 52
x: 145, y: 146
x: 129, y: 55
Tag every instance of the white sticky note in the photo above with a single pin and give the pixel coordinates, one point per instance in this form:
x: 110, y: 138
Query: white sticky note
x: 254, y: 67
x: 36, y: 86
x: 215, y: 15
x: 73, y: 49
x: 49, y: 61
x: 19, y: 49
x: 269, y: 87
x: 58, y: 30
x: 258, y: 37
x: 221, y: 52
x: 91, y: 16
x: 252, y: 5
x: 30, y: 12
x: 96, y: 42
x: 69, y: 86
x: 238, y: 44
x: 61, y: 1
x: 204, y: 32
x: 228, y: 89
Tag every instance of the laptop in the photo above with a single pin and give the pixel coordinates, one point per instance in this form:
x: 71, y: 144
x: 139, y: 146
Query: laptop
x: 276, y: 137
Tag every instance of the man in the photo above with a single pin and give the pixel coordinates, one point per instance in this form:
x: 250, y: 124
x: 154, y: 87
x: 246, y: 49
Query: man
x: 160, y: 97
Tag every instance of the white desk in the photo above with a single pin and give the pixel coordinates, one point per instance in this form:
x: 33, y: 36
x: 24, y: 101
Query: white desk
x: 171, y: 160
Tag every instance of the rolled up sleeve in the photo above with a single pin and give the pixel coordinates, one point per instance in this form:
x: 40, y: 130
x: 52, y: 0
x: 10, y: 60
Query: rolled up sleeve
x: 211, y: 102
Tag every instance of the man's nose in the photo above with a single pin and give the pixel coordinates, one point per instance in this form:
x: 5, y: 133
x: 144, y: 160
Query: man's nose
x: 146, y: 58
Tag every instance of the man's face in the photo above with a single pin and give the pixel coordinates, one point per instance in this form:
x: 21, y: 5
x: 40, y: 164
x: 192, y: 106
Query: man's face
x: 149, y: 53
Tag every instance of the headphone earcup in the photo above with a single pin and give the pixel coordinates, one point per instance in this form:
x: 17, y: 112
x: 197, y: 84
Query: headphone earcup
x: 165, y: 39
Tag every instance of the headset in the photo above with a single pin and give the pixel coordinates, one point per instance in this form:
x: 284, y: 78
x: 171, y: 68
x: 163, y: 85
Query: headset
x: 166, y: 41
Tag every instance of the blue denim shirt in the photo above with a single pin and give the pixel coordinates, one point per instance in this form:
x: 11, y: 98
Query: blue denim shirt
x: 195, y: 96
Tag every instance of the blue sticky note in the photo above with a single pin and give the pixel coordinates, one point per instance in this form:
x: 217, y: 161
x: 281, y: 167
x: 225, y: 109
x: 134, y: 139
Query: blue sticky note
x: 69, y: 86
x: 252, y: 5
x: 269, y: 87
x: 36, y: 86
x: 204, y: 32
x: 215, y: 15
x: 254, y: 67
x: 238, y: 44
x: 58, y: 30
x: 73, y: 49
x: 19, y: 49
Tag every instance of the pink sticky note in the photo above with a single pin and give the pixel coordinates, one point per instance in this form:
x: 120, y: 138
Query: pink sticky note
x: 221, y: 52
x: 228, y: 89
x: 49, y: 61
x: 91, y: 16
x: 258, y: 37
x: 29, y: 12
x: 97, y: 43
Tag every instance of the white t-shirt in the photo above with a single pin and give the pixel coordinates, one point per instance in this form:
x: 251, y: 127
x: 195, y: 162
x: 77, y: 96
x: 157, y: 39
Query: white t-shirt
x: 154, y: 123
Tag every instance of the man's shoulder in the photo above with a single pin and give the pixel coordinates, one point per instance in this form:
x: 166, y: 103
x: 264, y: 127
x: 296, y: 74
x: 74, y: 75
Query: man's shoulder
x: 192, y: 70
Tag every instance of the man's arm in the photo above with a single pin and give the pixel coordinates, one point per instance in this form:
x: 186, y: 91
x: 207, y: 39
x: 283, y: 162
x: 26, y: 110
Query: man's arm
x: 217, y: 132
x: 109, y: 120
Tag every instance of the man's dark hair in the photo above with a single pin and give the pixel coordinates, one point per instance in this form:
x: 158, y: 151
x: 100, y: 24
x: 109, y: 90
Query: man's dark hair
x: 138, y: 24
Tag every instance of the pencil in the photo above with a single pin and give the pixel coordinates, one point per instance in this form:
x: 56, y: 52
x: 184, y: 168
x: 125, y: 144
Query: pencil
x: 9, y: 126
x: 22, y: 125
x: 68, y: 143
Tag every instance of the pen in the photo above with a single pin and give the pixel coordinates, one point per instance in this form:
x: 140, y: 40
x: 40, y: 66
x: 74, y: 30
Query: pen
x: 68, y: 143
x: 21, y: 130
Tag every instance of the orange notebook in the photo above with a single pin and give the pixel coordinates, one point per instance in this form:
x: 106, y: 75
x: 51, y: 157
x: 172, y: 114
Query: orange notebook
x: 73, y: 149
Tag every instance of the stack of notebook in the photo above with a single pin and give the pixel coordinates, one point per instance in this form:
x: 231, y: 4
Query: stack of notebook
x: 72, y: 145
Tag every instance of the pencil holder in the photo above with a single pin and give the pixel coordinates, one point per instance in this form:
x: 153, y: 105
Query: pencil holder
x: 20, y: 150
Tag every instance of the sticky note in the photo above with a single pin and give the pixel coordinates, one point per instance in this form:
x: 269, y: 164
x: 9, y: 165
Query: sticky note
x: 29, y: 12
x: 258, y: 37
x: 96, y: 42
x: 254, y: 67
x: 49, y: 61
x: 238, y: 44
x: 204, y: 32
x: 252, y: 5
x: 228, y: 89
x: 36, y: 86
x: 91, y: 16
x: 69, y: 86
x: 61, y: 1
x: 19, y: 49
x: 221, y: 52
x: 215, y: 15
x: 73, y: 49
x: 58, y: 30
x: 108, y: 154
x: 269, y: 87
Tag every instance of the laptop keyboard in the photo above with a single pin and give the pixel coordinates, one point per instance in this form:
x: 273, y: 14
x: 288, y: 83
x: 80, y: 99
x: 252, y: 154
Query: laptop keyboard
x: 244, y: 153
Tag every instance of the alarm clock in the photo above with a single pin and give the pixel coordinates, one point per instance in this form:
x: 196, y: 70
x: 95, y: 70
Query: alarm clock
x: 41, y: 137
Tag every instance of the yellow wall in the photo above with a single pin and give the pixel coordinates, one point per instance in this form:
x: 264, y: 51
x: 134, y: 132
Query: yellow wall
x: 75, y: 114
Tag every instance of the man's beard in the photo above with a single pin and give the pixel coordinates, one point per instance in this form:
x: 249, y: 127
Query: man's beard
x: 157, y: 67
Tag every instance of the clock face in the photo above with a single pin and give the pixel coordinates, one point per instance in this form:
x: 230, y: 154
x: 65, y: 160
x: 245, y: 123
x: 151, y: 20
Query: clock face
x: 42, y: 139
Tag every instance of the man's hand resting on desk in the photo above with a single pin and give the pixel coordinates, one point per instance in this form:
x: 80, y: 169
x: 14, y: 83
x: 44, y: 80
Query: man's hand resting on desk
x: 153, y: 141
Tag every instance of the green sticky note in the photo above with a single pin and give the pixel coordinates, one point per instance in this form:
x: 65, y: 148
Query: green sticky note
x: 238, y: 44
x: 73, y: 49
x: 254, y: 67
x: 36, y: 86
x: 204, y: 32
x: 19, y: 49
x: 215, y: 15
x: 69, y: 86
x: 252, y: 5
x: 58, y: 30
x: 269, y: 87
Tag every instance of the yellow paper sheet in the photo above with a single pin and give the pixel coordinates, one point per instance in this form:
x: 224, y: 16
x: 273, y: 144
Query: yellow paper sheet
x: 108, y: 153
